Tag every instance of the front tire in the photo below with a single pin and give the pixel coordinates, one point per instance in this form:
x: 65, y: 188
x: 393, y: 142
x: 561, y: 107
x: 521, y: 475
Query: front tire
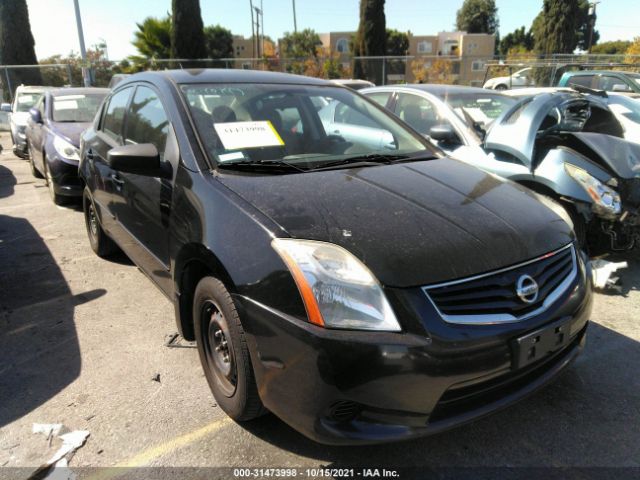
x: 100, y: 242
x: 501, y: 87
x: 34, y: 171
x: 223, y: 351
x: 55, y: 198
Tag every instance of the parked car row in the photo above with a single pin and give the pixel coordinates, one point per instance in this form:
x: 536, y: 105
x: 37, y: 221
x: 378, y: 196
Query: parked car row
x: 335, y: 262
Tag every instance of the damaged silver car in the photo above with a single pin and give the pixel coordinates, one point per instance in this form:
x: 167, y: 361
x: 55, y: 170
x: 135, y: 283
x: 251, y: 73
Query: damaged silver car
x: 566, y: 146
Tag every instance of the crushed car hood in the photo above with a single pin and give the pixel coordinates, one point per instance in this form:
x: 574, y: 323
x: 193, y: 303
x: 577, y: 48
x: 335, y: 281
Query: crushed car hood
x: 411, y: 224
x: 619, y: 155
x: 516, y: 130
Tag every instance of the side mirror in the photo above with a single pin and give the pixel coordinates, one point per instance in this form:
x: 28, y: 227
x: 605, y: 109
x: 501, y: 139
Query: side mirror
x: 35, y: 115
x: 444, y: 134
x: 141, y: 159
x: 621, y: 87
x: 5, y: 107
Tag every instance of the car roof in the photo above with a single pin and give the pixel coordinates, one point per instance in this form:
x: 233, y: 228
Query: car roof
x: 32, y: 88
x: 439, y: 90
x: 58, y: 92
x: 221, y: 75
x: 597, y: 72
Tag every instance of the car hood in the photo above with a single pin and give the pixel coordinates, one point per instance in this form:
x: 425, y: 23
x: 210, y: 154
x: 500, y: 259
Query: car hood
x: 411, y: 224
x: 70, y: 131
x: 619, y: 155
x: 515, y: 131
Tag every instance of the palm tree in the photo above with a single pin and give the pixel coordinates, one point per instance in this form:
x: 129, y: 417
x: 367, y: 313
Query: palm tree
x: 152, y: 39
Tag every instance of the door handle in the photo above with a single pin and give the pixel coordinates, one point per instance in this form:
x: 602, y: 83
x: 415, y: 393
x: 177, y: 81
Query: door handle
x: 117, y: 180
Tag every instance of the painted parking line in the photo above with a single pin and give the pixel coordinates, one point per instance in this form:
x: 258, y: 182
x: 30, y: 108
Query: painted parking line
x: 147, y: 456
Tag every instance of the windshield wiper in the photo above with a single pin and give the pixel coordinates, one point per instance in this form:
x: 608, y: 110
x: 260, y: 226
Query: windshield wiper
x: 372, y: 159
x: 256, y: 164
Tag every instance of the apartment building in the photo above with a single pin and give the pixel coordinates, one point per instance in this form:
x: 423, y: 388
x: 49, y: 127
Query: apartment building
x: 466, y: 52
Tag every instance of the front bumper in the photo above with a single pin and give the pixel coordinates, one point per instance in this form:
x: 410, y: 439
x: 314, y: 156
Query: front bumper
x: 346, y: 387
x: 66, y: 181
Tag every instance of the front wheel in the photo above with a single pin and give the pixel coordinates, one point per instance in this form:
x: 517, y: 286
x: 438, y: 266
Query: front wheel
x: 223, y: 351
x: 55, y: 198
x: 34, y: 171
x: 501, y: 87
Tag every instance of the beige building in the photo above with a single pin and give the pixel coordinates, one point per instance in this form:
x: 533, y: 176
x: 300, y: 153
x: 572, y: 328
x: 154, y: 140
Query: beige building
x: 465, y: 53
x: 246, y: 48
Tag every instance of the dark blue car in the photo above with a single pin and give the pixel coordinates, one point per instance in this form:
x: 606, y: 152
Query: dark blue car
x: 53, y: 136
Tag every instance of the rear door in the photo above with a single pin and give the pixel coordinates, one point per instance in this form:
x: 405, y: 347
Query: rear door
x: 35, y: 134
x: 145, y: 202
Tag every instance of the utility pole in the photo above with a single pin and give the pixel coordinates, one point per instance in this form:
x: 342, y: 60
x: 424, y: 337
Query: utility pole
x: 253, y: 34
x: 592, y: 23
x: 83, y: 52
x: 295, y: 22
x: 257, y: 39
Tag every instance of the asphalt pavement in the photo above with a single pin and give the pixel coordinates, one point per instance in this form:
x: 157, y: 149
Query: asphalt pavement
x: 82, y: 343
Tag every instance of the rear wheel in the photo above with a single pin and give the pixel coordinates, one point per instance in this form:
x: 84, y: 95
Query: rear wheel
x: 223, y: 351
x: 100, y: 242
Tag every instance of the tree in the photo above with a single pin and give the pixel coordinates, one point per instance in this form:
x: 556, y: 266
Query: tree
x: 153, y: 38
x: 17, y: 43
x: 633, y: 52
x: 370, y: 40
x: 219, y: 42
x: 518, y: 40
x: 187, y: 34
x: 611, y: 48
x: 478, y: 16
x: 562, y: 26
x: 300, y: 44
x: 397, y: 43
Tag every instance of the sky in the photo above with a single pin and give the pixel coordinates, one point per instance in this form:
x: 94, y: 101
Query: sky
x: 114, y: 21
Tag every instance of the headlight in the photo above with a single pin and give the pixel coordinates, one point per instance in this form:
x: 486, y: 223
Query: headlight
x: 338, y: 290
x: 65, y: 149
x: 605, y: 199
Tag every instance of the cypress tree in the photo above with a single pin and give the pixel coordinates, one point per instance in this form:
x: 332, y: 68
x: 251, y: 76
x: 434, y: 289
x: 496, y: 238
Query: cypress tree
x: 371, y: 40
x: 556, y: 28
x: 187, y: 33
x: 16, y: 42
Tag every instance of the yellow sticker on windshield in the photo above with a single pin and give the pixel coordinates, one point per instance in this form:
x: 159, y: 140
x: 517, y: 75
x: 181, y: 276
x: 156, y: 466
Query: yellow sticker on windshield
x: 237, y: 135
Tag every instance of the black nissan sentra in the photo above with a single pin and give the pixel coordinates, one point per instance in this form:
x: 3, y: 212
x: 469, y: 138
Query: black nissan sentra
x: 333, y: 268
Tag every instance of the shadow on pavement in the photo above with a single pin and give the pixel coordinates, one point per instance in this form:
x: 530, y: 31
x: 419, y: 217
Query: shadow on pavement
x: 39, y: 348
x: 587, y: 417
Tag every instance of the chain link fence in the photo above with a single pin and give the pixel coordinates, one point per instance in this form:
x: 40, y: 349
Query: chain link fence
x: 459, y: 70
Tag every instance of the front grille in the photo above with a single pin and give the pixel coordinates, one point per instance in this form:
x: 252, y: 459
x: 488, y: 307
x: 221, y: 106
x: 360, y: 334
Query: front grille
x: 494, y: 298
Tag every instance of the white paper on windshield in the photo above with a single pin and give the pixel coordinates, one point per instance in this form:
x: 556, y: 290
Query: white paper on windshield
x: 66, y: 105
x: 26, y: 98
x: 70, y: 97
x: 238, y: 135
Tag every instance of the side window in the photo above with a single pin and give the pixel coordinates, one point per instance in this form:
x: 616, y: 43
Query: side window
x: 114, y: 115
x: 147, y: 121
x: 583, y: 80
x: 379, y: 97
x: 418, y: 112
x: 346, y: 114
x: 607, y: 82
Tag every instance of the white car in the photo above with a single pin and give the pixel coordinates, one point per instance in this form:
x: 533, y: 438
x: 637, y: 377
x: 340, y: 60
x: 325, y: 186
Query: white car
x: 520, y: 79
x: 24, y: 99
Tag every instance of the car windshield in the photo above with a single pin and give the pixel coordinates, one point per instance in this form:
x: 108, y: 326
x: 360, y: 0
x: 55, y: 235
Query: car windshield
x: 481, y: 108
x: 76, y: 108
x: 26, y: 101
x: 305, y: 126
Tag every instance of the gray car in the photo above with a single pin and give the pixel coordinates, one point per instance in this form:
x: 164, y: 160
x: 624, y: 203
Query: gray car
x: 563, y: 145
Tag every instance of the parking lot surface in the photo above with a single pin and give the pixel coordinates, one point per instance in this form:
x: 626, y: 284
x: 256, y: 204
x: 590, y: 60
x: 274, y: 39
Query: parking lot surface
x: 82, y: 344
